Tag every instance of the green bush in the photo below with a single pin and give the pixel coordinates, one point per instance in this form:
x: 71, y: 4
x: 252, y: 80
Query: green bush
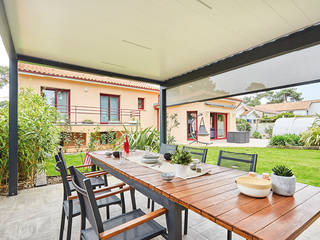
x: 243, y: 125
x: 285, y: 140
x: 268, y: 130
x: 38, y: 137
x: 140, y: 138
x: 256, y: 134
x: 311, y: 137
x: 181, y: 157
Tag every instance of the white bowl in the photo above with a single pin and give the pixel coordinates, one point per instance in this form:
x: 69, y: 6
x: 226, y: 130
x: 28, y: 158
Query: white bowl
x: 254, y: 186
x: 167, y: 176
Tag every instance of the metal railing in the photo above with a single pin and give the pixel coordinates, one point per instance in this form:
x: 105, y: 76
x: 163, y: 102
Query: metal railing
x: 75, y: 114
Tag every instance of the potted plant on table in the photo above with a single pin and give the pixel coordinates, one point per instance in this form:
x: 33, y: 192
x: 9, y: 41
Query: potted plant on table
x: 181, y: 159
x: 283, y: 181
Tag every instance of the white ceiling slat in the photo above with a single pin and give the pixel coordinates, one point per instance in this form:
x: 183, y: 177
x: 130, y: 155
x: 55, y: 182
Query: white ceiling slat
x: 182, y: 35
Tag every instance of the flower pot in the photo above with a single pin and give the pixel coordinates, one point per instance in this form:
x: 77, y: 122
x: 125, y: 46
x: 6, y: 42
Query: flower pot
x: 181, y: 170
x: 285, y: 186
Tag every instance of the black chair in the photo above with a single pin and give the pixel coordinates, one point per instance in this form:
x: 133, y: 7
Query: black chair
x: 242, y: 161
x: 133, y: 225
x: 197, y: 153
x: 70, y: 203
x: 164, y: 148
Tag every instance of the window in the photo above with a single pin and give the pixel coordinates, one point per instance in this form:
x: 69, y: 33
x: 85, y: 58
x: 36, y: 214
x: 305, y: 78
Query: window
x: 141, y: 103
x: 60, y: 99
x: 109, y: 108
x: 192, y: 125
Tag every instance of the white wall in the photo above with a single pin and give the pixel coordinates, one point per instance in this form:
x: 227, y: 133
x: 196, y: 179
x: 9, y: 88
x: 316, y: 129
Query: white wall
x: 292, y: 125
x: 314, y: 108
x: 300, y: 112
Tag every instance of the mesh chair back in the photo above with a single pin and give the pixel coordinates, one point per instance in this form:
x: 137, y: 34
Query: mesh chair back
x: 61, y: 168
x: 167, y: 148
x: 197, y: 153
x: 88, y: 203
x: 241, y: 161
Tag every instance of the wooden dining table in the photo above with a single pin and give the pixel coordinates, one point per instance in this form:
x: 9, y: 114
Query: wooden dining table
x: 216, y: 197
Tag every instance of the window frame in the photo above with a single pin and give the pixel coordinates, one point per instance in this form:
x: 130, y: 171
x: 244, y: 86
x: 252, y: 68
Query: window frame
x: 141, y: 108
x: 109, y: 95
x: 55, y: 97
x: 192, y: 139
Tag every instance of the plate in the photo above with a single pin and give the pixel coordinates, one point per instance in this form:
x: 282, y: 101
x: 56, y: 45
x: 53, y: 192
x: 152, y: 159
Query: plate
x: 151, y: 156
x: 149, y: 160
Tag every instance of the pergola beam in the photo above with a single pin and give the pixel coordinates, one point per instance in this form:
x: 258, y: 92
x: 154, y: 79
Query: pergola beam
x: 13, y: 102
x: 163, y: 115
x: 298, y: 40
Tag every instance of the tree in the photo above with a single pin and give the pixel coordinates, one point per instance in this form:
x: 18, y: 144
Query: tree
x: 284, y: 95
x: 4, y: 76
x: 254, y: 100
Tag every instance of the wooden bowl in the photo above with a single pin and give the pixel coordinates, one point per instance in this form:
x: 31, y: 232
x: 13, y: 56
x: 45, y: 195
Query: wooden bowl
x: 254, y: 186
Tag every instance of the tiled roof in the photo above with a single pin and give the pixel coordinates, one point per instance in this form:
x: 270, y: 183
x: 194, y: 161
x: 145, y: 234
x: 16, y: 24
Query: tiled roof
x: 56, y: 72
x: 283, y: 107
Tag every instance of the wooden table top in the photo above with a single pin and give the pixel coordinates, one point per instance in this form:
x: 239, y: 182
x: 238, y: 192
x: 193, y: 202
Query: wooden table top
x: 216, y: 197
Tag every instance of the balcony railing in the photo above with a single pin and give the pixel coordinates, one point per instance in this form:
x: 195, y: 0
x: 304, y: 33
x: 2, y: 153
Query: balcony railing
x: 86, y: 115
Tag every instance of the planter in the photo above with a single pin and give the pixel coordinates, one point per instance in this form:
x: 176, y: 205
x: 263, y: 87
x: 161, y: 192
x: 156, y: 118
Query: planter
x: 238, y: 137
x: 181, y: 170
x: 285, y: 186
x: 40, y: 177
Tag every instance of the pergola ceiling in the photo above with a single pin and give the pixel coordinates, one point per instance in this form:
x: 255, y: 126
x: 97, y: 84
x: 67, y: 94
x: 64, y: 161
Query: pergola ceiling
x: 152, y: 39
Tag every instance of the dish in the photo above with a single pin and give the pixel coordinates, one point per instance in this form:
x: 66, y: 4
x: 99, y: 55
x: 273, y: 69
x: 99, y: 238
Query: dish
x: 151, y: 156
x: 149, y: 160
x: 108, y: 153
x: 167, y: 176
x: 254, y: 186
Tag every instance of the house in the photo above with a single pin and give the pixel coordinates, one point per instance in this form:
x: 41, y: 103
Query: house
x: 87, y: 102
x: 302, y: 108
x: 218, y: 116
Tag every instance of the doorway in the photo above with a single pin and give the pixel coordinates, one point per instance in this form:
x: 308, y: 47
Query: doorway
x: 218, y: 125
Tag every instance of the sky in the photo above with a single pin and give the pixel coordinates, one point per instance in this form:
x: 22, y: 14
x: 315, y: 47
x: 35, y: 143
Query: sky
x: 309, y: 92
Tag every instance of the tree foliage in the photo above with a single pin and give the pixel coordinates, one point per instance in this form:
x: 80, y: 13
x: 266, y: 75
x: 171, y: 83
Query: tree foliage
x: 4, y: 76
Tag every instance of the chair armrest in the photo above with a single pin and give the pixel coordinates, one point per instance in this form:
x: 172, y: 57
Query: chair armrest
x: 131, y: 224
x: 91, y: 174
x: 112, y: 193
x: 82, y: 166
x: 119, y: 185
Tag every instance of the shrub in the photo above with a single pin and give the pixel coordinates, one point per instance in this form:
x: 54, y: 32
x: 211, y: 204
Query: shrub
x: 311, y: 137
x: 38, y: 137
x: 256, y: 134
x: 268, y: 130
x: 281, y: 170
x: 243, y: 125
x: 285, y: 140
x: 140, y: 138
x: 181, y: 157
x: 274, y: 118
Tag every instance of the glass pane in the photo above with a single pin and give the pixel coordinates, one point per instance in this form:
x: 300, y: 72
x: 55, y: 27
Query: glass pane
x: 63, y: 104
x: 221, y: 126
x: 104, y: 108
x: 114, y: 108
x: 192, y: 125
x: 212, y: 126
x: 49, y: 95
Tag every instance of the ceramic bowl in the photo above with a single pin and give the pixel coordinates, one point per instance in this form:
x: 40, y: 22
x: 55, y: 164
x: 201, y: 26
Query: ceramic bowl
x: 167, y: 176
x: 108, y: 153
x: 116, y: 154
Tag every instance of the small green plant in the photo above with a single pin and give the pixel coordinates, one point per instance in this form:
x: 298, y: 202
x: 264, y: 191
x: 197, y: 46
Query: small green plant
x: 268, y: 130
x: 243, y: 125
x: 311, y: 137
x: 281, y: 170
x: 285, y: 140
x: 256, y: 134
x: 93, y: 140
x: 181, y: 157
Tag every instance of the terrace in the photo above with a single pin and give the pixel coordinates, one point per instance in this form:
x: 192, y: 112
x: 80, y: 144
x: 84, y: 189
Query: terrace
x: 196, y: 51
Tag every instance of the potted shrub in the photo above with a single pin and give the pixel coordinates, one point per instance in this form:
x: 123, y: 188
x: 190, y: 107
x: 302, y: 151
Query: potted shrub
x: 283, y: 181
x: 181, y: 159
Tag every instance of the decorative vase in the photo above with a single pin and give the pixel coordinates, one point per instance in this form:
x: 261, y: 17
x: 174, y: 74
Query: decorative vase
x: 181, y: 170
x: 285, y: 186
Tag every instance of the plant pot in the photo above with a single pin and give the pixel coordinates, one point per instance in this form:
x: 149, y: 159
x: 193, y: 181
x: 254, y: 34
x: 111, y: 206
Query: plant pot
x: 41, y: 176
x: 285, y: 186
x: 181, y: 170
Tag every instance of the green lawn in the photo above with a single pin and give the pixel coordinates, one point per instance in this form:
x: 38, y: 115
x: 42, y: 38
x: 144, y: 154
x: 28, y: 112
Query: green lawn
x: 305, y: 163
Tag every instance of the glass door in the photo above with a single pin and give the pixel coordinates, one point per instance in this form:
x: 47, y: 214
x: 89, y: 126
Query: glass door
x: 221, y: 125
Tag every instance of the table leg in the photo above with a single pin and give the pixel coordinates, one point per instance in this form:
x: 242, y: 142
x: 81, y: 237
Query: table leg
x: 174, y: 221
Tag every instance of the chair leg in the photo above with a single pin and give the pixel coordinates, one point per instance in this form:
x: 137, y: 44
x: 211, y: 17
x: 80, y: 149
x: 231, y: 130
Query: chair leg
x: 123, y: 203
x: 69, y: 227
x: 108, y: 211
x: 185, y: 222
x: 63, y: 216
x: 148, y: 205
x: 229, y: 236
x: 152, y: 206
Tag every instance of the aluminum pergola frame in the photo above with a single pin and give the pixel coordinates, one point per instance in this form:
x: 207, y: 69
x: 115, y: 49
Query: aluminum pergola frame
x: 302, y: 39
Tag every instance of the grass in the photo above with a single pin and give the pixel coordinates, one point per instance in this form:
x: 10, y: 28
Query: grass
x: 304, y: 163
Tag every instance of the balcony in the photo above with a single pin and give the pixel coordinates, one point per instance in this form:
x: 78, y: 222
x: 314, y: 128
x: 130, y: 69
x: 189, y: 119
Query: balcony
x: 87, y: 115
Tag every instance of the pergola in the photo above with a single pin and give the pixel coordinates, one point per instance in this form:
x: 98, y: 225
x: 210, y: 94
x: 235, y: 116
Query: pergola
x: 205, y: 47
